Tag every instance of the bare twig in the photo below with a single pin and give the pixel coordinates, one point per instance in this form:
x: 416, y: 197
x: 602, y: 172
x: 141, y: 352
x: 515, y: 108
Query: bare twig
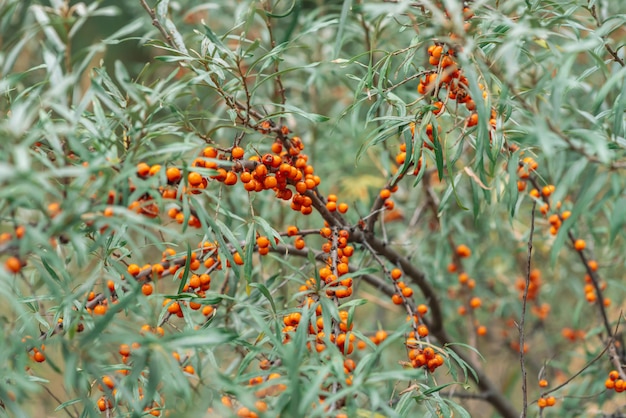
x: 523, y: 317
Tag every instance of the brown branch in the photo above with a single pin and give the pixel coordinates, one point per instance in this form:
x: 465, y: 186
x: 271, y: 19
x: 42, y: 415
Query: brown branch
x: 608, y: 47
x: 523, y: 317
x: 157, y: 24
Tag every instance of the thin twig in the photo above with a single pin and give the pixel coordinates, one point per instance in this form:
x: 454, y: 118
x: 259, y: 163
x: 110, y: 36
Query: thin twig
x: 523, y: 317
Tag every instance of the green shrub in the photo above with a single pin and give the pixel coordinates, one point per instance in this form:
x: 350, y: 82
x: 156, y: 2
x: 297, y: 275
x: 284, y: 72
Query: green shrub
x: 312, y: 208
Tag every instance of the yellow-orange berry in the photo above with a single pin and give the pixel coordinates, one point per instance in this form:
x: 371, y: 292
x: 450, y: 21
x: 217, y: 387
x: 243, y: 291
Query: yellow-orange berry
x: 13, y: 264
x: 134, y: 269
x: 475, y: 302
x: 143, y: 169
x: 463, y: 251
x: 173, y: 174
x: 147, y: 289
x: 194, y: 179
x: 422, y: 331
x: 580, y: 244
x: 99, y: 310
x: 237, y: 153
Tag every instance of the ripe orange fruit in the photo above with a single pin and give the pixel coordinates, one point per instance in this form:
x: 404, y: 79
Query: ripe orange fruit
x: 397, y: 299
x: 13, y: 264
x: 39, y: 357
x: 99, y: 310
x: 173, y: 174
x: 237, y: 153
x: 463, y: 251
x: 134, y: 269
x: 263, y: 242
x: 147, y: 289
x: 194, y: 178
x: 580, y: 244
x: 422, y: 331
x: 143, y: 169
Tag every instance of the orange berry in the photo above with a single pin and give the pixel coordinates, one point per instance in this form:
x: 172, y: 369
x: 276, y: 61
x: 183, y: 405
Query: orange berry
x: 124, y: 350
x: 134, y: 269
x: 613, y: 375
x: 108, y: 381
x: 39, y: 357
x: 143, y: 169
x: 397, y: 299
x: 396, y: 274
x: 481, y: 330
x: 550, y: 401
x: 174, y: 308
x: 543, y: 383
x: 13, y: 264
x: 422, y: 331
x: 593, y: 265
x: 463, y: 251
x: 299, y: 243
x: 542, y: 403
x: 238, y: 259
x: 385, y: 193
x: 147, y: 289
x: 99, y: 310
x: 422, y: 309
x: 609, y: 384
x: 237, y: 153
x: 381, y: 335
x: 263, y: 242
x: 475, y: 302
x: 580, y: 244
x: 103, y: 404
x: 194, y: 179
x: 343, y: 207
x: 407, y: 292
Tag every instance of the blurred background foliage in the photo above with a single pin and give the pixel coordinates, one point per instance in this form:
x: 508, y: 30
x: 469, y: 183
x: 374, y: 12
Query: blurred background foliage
x: 90, y: 89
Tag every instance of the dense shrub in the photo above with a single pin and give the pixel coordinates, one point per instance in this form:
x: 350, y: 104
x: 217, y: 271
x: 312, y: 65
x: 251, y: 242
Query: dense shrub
x: 309, y: 208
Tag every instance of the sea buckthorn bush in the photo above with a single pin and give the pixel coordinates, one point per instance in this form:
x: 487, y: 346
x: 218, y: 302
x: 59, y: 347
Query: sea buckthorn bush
x: 312, y: 209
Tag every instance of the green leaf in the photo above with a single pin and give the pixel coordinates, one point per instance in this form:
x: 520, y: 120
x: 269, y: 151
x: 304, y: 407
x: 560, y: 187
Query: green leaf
x: 341, y: 27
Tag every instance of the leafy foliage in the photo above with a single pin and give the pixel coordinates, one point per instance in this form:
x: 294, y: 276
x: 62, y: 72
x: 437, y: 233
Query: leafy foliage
x: 312, y: 208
